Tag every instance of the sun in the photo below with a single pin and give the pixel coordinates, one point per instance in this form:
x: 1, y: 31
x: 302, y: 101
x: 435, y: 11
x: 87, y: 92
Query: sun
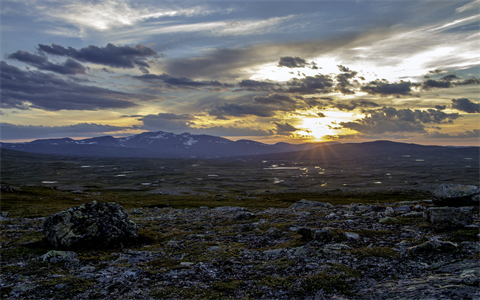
x: 317, y: 127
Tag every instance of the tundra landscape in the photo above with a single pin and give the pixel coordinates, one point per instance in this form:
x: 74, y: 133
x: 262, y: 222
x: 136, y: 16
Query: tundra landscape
x: 239, y: 149
x: 340, y: 221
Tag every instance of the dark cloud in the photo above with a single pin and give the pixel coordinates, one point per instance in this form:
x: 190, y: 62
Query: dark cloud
x: 69, y: 67
x: 11, y: 131
x: 426, y: 85
x: 354, y: 104
x: 440, y: 107
x: 257, y: 86
x: 450, y: 77
x: 179, y: 82
x: 448, y: 81
x: 32, y: 89
x: 437, y: 71
x: 239, y: 110
x: 310, y: 85
x: 284, y: 128
x: 472, y: 80
x: 463, y: 104
x: 316, y: 102
x: 343, y: 80
x: 125, y: 57
x: 274, y: 99
x: 292, y: 62
x: 167, y: 122
x: 382, y: 87
x: 391, y: 120
x: 321, y: 115
x: 463, y: 135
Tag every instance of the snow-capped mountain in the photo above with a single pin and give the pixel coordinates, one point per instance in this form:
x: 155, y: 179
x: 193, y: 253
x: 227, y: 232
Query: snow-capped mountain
x: 155, y: 144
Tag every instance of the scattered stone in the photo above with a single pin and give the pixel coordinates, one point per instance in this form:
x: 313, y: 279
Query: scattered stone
x: 91, y: 225
x: 413, y: 214
x: 389, y: 211
x: 274, y: 232
x: 244, y: 215
x: 352, y: 236
x: 418, y: 207
x: 387, y: 220
x: 231, y: 209
x: 433, y: 245
x: 456, y: 195
x: 442, y: 218
x: 305, y: 204
x: 5, y: 188
x: 54, y: 256
x: 4, y: 215
x: 402, y: 209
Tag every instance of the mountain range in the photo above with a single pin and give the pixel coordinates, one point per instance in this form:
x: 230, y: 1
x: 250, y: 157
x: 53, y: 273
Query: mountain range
x: 156, y: 145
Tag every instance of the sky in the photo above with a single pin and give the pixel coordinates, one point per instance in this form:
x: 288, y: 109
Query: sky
x: 270, y: 71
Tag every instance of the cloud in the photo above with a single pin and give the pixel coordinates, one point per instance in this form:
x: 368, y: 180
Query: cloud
x: 343, y: 80
x: 292, y: 62
x: 463, y: 104
x: 12, y: 132
x: 284, y: 128
x: 274, y: 99
x: 32, y: 89
x: 240, y: 110
x: 321, y: 115
x: 382, y: 87
x: 475, y: 133
x: 125, y: 57
x: 354, y: 104
x: 180, y: 82
x: 257, y: 86
x: 391, y: 120
x: 69, y: 67
x: 167, y: 122
x: 310, y: 84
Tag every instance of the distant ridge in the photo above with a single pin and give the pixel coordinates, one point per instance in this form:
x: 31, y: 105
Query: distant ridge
x: 156, y: 145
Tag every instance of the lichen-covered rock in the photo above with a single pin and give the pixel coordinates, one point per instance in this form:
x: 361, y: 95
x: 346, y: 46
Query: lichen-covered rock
x: 60, y: 256
x: 433, y: 245
x: 91, y: 225
x: 442, y: 218
x: 456, y: 195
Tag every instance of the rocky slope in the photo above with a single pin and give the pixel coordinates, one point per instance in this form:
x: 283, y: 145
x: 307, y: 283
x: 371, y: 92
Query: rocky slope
x: 307, y: 251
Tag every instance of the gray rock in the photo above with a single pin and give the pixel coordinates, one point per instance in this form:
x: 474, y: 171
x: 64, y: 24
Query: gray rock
x: 232, y: 209
x: 389, y: 211
x: 456, y: 195
x: 244, y: 215
x: 91, y: 225
x: 60, y: 256
x: 402, y: 209
x: 4, y: 215
x: 442, y: 218
x: 305, y: 203
x: 274, y: 232
x: 387, y: 220
x: 352, y: 236
x: 433, y: 245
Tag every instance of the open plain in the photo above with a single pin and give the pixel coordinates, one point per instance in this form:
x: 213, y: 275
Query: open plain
x: 240, y: 228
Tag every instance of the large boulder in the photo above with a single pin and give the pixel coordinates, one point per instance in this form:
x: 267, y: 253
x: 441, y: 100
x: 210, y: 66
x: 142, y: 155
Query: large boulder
x: 92, y: 225
x: 442, y: 218
x: 456, y: 195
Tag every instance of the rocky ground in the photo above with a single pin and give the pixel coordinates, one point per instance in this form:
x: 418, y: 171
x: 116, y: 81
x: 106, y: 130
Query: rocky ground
x: 306, y: 251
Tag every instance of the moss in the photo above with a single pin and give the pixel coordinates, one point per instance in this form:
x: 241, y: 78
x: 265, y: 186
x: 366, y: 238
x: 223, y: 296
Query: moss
x: 375, y: 252
x: 463, y: 235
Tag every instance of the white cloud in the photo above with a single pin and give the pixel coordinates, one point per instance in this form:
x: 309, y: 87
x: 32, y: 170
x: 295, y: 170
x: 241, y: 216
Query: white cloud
x: 472, y: 5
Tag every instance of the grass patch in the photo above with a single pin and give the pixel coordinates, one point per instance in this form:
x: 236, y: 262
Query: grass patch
x: 375, y: 252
